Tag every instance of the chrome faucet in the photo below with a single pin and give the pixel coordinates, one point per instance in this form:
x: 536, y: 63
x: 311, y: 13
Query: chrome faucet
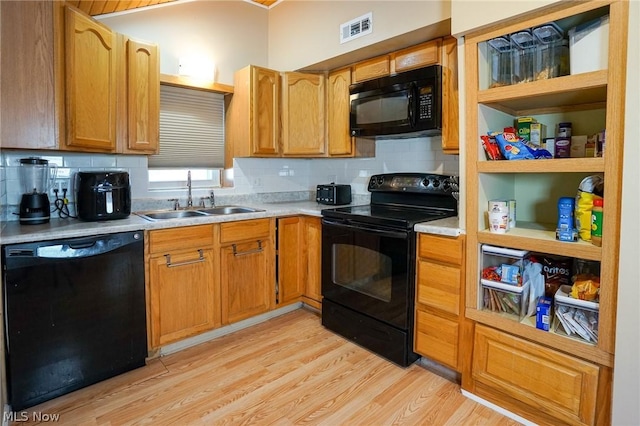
x: 189, y: 199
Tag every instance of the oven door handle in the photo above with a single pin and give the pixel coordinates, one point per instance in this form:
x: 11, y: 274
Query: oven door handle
x: 372, y: 229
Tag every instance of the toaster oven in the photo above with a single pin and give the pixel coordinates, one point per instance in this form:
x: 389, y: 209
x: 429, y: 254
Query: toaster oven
x: 333, y: 194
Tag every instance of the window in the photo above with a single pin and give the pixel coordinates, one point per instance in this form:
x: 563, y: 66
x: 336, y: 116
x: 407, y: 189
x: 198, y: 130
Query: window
x: 191, y: 138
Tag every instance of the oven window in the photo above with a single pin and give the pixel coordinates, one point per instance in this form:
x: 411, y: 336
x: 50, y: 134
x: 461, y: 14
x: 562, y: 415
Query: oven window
x: 363, y: 270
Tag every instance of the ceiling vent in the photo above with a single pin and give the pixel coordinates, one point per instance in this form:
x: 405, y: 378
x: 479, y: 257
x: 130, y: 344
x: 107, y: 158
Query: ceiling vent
x: 356, y: 28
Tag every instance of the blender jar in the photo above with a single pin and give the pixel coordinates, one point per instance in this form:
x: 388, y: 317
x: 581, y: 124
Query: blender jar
x: 35, y: 176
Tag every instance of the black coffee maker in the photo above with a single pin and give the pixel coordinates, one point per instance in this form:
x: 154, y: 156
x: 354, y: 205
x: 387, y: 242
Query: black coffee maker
x: 36, y: 178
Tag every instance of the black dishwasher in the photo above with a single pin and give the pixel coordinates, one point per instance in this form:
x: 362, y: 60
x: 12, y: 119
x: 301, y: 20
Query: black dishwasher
x: 74, y: 314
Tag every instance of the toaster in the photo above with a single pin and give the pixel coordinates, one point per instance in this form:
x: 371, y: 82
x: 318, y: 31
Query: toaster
x: 333, y: 194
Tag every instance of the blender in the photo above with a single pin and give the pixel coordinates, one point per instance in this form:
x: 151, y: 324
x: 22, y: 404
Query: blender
x: 36, y: 180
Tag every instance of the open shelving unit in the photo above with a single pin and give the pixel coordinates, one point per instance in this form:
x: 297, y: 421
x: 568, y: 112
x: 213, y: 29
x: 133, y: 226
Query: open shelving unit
x: 593, y: 101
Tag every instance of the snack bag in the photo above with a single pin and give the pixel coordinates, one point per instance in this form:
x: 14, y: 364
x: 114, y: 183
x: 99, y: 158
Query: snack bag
x: 590, y: 188
x: 491, y: 147
x: 512, y: 147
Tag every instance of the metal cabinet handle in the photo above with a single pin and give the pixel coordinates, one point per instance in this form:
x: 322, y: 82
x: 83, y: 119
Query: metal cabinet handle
x: 188, y: 262
x: 242, y: 253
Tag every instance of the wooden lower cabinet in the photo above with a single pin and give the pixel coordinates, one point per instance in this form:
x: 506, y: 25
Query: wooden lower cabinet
x: 312, y: 257
x: 247, y: 273
x: 545, y: 385
x: 184, y: 299
x: 440, y: 299
x: 290, y: 262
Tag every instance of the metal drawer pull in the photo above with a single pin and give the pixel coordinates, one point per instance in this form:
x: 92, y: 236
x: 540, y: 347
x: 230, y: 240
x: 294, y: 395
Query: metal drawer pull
x: 188, y: 262
x: 242, y: 253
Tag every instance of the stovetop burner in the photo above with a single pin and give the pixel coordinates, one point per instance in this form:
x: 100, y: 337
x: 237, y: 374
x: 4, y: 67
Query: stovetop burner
x: 403, y: 199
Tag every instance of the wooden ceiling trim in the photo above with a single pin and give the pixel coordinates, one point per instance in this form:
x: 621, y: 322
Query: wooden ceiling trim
x: 101, y: 7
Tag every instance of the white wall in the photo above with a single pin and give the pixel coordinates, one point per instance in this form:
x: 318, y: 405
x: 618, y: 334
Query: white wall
x: 233, y: 34
x: 302, y: 33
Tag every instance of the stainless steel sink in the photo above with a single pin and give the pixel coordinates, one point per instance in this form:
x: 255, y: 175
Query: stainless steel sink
x: 229, y: 210
x: 170, y: 214
x: 195, y: 212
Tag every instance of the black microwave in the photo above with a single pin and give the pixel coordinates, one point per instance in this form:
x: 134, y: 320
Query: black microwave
x: 402, y: 105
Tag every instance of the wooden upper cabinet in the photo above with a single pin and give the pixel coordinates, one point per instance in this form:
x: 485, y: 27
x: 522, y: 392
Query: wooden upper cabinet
x: 265, y: 111
x: 303, y: 114
x: 253, y: 115
x: 142, y: 98
x: 450, y: 98
x: 414, y: 57
x: 30, y: 86
x: 339, y: 138
x: 90, y: 83
x: 371, y: 68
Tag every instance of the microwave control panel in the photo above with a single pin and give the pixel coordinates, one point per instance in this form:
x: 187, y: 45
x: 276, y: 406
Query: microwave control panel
x: 425, y: 97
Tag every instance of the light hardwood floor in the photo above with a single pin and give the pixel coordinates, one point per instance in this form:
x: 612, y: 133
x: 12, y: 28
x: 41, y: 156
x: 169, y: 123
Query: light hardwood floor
x: 286, y: 371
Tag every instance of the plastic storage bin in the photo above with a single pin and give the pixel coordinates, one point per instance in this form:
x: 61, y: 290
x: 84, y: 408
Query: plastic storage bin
x: 509, y: 300
x: 552, y: 59
x: 524, y: 64
x: 503, y: 265
x: 501, y: 54
x: 589, y: 46
x: 574, y: 317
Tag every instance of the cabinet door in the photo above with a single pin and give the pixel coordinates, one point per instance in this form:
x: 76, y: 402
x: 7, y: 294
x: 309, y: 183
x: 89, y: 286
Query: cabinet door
x: 340, y: 141
x: 90, y: 82
x: 450, y: 102
x: 439, y: 286
x: 183, y: 296
x: 371, y: 68
x: 303, y: 115
x: 290, y: 260
x: 265, y: 111
x: 247, y: 280
x: 30, y: 74
x: 546, y: 380
x: 312, y: 232
x: 143, y: 97
x: 418, y: 56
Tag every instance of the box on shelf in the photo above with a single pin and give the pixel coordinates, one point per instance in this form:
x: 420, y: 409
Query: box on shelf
x: 589, y: 46
x: 574, y: 317
x: 505, y: 299
x: 578, y: 146
x: 543, y: 313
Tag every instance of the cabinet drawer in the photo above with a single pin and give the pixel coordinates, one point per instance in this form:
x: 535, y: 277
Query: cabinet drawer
x: 439, y: 286
x: 417, y: 56
x: 544, y: 379
x: 243, y: 230
x: 165, y: 240
x: 437, y: 338
x: 445, y: 249
x: 373, y: 68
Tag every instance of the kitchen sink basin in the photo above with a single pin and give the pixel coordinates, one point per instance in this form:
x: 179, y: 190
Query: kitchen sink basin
x: 229, y: 210
x: 195, y: 212
x: 170, y: 214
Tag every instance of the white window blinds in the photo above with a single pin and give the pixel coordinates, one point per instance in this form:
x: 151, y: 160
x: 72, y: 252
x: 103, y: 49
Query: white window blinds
x: 191, y: 129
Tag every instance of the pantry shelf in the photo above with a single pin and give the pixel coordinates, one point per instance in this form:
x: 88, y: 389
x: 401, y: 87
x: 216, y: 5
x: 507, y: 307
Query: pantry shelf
x: 568, y: 93
x: 540, y: 240
x: 526, y: 329
x: 556, y: 165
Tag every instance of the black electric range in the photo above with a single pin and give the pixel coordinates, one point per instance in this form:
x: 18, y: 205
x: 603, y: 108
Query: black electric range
x: 369, y: 256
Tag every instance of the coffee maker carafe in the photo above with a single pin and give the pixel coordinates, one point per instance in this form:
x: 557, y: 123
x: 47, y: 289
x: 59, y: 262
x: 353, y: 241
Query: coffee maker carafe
x: 36, y: 180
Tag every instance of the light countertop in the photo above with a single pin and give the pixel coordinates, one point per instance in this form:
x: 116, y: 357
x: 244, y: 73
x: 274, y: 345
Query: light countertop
x: 13, y: 232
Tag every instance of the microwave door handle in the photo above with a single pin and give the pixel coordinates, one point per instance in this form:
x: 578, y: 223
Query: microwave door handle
x: 411, y: 100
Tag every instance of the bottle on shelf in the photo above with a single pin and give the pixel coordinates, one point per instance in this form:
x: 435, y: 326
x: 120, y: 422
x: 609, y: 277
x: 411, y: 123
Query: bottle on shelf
x: 596, y: 222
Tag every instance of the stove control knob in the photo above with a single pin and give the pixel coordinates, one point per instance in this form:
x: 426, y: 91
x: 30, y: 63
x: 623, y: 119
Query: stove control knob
x: 380, y: 180
x: 435, y: 183
x: 425, y: 182
x: 446, y: 184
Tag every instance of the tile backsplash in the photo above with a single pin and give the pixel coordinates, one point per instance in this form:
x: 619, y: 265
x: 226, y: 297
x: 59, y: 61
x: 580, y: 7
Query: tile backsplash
x: 251, y: 175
